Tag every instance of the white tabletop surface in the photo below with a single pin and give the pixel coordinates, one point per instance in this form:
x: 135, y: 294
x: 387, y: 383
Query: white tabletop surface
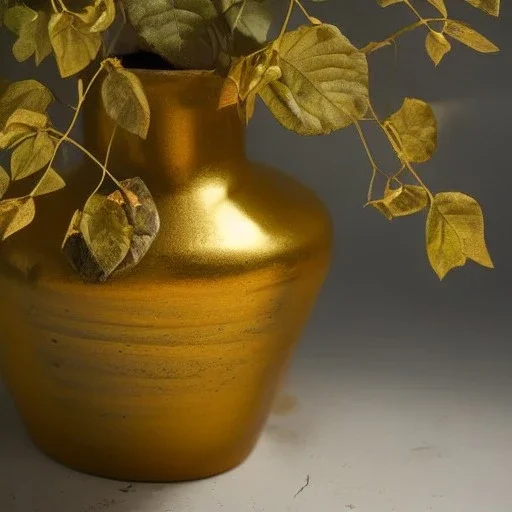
x: 375, y: 426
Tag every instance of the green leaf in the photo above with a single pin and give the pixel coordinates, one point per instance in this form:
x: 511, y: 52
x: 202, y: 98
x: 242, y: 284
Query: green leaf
x: 26, y: 95
x: 74, y: 45
x: 4, y: 181
x: 437, y: 46
x: 415, y: 127
x: 400, y: 202
x: 324, y: 81
x: 178, y: 30
x: 34, y: 39
x: 4, y: 4
x: 491, y: 7
x: 125, y: 101
x: 250, y: 19
x: 50, y: 182
x: 455, y: 233
x: 18, y: 16
x: 469, y: 37
x: 15, y: 214
x: 31, y: 156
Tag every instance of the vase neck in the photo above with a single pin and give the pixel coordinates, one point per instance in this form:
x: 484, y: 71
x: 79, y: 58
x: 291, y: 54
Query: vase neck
x: 188, y: 132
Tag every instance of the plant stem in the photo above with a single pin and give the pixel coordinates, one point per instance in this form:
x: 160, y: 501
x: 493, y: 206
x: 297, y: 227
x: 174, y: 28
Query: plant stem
x: 370, y: 48
x: 375, y: 167
x: 87, y: 153
x: 420, y: 17
x: 287, y: 20
x: 399, y: 152
x: 65, y: 135
x: 303, y: 9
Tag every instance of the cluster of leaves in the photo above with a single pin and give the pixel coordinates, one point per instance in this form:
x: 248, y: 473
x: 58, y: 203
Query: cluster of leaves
x: 313, y: 80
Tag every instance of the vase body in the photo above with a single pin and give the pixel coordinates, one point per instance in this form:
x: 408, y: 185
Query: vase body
x: 168, y: 372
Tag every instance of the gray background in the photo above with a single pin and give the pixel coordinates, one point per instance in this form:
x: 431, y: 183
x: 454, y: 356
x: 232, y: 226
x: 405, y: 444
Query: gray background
x: 400, y: 396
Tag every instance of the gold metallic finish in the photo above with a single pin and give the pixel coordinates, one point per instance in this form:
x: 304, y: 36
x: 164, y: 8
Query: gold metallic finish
x: 169, y: 372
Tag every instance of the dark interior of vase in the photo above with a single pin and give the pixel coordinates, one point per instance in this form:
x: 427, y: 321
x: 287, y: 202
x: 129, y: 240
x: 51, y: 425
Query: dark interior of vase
x: 145, y: 60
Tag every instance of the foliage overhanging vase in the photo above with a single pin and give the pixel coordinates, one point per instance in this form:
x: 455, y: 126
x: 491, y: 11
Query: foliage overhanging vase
x: 166, y: 373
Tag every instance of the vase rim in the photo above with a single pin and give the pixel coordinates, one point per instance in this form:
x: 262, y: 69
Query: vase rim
x: 176, y: 72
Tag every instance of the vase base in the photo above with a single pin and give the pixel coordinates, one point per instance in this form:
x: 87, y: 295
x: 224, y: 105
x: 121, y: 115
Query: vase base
x: 145, y: 472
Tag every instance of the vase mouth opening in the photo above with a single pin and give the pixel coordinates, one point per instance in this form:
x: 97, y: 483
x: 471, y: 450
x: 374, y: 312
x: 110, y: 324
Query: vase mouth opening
x: 152, y: 64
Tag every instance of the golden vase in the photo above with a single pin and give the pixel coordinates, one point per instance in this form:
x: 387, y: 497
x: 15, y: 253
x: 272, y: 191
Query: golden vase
x: 169, y: 372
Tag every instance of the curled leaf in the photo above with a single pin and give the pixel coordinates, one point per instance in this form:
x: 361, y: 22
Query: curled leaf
x: 99, y: 16
x: 400, y: 202
x: 31, y: 155
x: 437, y: 46
x: 125, y: 101
x: 251, y: 75
x: 470, y: 37
x: 15, y: 214
x: 324, y: 82
x: 178, y: 30
x: 113, y: 232
x: 455, y: 233
x: 415, y: 127
x: 74, y: 45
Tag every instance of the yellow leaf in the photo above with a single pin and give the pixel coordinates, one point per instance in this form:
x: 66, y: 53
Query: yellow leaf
x: 400, y: 202
x: 4, y: 181
x: 469, y: 37
x: 27, y: 118
x: 387, y: 3
x: 15, y: 214
x: 437, y: 46
x: 440, y: 6
x: 75, y: 47
x: 415, y: 127
x: 27, y: 95
x: 31, y: 156
x: 324, y: 81
x: 125, y: 101
x: 491, y: 7
x: 251, y: 75
x: 455, y: 233
x: 22, y: 123
x: 50, y: 182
